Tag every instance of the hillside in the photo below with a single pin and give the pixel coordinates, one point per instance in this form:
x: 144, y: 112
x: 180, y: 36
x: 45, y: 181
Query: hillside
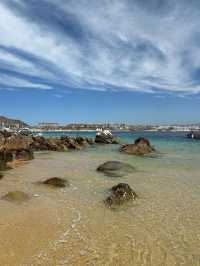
x: 12, y: 123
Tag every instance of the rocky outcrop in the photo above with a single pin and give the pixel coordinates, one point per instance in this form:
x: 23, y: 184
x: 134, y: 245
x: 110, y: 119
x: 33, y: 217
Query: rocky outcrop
x: 56, y: 182
x: 60, y: 144
x: 141, y: 146
x: 14, y: 147
x: 16, y: 196
x: 21, y: 147
x: 106, y: 139
x: 120, y: 194
x: 116, y: 169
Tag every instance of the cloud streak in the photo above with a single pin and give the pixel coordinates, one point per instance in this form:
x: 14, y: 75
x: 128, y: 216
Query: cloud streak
x: 147, y: 46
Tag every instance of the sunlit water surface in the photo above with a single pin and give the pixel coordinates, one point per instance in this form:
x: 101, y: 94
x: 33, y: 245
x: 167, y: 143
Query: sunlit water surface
x: 72, y: 226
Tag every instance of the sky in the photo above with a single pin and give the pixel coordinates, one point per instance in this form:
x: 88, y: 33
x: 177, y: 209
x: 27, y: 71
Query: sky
x: 132, y: 61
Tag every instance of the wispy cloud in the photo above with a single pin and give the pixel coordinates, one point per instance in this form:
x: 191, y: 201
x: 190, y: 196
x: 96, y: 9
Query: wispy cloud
x: 137, y: 45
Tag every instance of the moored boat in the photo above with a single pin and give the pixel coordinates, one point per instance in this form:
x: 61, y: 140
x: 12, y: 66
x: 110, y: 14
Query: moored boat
x: 194, y: 135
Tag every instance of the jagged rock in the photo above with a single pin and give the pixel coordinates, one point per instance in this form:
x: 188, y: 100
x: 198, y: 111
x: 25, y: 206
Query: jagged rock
x: 16, y: 196
x: 60, y: 144
x: 56, y: 182
x: 116, y: 169
x: 141, y: 146
x: 120, y: 194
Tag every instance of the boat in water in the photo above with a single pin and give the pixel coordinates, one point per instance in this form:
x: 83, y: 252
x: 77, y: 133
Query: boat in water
x: 194, y: 135
x: 103, y: 132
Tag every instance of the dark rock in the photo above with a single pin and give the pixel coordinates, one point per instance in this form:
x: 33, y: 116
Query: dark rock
x: 5, y: 156
x: 24, y: 155
x: 120, y: 194
x: 90, y: 141
x: 1, y: 175
x: 115, y: 168
x: 106, y: 139
x: 56, y: 182
x: 142, y: 141
x: 141, y: 146
x: 16, y: 196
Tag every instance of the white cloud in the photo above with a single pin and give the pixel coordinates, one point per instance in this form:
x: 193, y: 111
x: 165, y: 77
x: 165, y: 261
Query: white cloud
x: 130, y: 45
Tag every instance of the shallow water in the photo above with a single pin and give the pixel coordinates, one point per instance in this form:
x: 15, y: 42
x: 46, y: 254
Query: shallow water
x: 71, y: 226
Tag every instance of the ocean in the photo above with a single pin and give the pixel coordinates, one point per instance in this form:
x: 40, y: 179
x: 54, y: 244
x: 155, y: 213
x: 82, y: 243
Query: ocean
x: 72, y: 225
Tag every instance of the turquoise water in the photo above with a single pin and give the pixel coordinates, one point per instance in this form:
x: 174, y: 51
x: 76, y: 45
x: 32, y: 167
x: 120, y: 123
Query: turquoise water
x: 72, y: 226
x: 164, y: 142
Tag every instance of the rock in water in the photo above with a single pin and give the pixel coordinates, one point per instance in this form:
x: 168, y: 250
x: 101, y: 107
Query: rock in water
x: 56, y: 182
x: 1, y: 175
x: 106, y: 139
x: 16, y: 196
x: 141, y: 146
x: 115, y: 168
x: 120, y: 194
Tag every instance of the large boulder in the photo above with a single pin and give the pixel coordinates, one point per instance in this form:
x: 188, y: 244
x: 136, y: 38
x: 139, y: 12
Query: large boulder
x: 14, y: 146
x: 115, y: 168
x: 120, y: 194
x: 16, y: 196
x: 141, y: 146
x: 106, y: 139
x: 17, y: 142
x: 39, y: 143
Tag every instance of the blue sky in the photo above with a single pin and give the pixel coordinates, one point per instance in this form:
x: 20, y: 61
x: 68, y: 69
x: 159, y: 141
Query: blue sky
x: 94, y: 61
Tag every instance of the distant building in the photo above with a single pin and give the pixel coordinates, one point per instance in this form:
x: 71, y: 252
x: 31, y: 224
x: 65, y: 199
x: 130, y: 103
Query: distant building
x: 11, y: 123
x: 48, y: 125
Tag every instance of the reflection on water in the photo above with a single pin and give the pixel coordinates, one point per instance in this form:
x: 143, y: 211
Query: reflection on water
x: 71, y: 226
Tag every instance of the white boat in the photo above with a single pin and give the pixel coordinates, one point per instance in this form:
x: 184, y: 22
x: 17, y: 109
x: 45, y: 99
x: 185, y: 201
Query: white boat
x: 103, y: 132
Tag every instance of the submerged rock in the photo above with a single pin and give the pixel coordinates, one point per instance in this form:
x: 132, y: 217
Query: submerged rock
x: 115, y: 168
x: 141, y: 146
x: 16, y: 196
x: 120, y: 194
x: 1, y: 175
x: 56, y: 182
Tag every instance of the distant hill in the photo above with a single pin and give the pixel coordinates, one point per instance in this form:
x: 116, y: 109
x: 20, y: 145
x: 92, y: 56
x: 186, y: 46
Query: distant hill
x: 12, y: 123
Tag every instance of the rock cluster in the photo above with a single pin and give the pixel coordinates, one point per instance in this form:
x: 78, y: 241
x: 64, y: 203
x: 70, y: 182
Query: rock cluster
x: 60, y: 144
x: 141, y: 146
x: 21, y: 147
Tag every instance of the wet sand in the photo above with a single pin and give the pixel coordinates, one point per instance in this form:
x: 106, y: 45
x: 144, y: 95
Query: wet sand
x: 71, y: 226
